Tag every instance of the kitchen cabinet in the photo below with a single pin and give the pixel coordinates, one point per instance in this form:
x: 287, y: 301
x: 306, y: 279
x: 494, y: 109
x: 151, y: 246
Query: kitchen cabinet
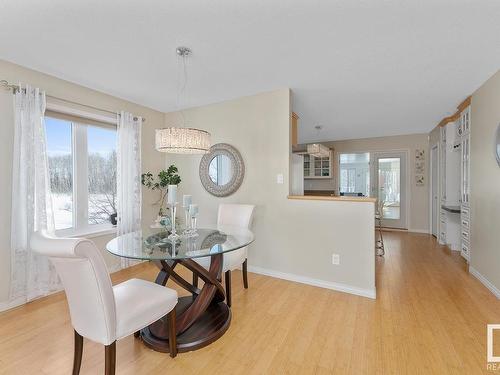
x: 464, y: 132
x: 454, y: 180
x: 315, y: 167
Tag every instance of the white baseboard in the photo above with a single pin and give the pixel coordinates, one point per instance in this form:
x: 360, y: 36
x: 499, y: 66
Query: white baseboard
x: 7, y: 305
x: 400, y: 230
x: 492, y: 288
x: 426, y: 231
x: 340, y: 287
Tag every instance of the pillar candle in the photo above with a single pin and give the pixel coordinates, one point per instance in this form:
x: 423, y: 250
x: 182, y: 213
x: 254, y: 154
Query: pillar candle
x: 193, y: 210
x: 186, y: 201
x: 172, y: 194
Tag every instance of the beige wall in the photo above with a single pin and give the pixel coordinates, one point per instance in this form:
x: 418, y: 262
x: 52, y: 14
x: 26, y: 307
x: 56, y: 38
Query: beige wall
x: 485, y: 181
x: 294, y: 239
x: 63, y: 89
x: 418, y: 208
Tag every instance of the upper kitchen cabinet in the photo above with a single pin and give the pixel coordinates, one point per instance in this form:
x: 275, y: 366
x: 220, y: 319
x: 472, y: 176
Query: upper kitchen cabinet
x: 318, y: 167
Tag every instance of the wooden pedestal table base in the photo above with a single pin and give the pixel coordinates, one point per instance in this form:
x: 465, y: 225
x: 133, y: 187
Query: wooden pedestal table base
x: 201, y: 318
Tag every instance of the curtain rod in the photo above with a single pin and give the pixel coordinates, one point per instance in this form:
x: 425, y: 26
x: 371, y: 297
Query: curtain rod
x: 15, y: 88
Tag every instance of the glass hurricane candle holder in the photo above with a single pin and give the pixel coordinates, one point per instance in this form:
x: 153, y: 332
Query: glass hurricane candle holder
x: 187, y: 230
x: 173, y: 234
x: 193, y: 213
x: 194, y: 226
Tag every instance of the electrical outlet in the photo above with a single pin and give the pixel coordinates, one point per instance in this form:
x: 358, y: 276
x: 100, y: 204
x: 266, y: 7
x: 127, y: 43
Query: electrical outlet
x: 335, y: 259
x: 279, y: 179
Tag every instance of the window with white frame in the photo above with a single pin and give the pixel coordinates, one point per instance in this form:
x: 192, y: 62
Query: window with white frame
x: 347, y: 180
x: 354, y: 173
x: 82, y: 169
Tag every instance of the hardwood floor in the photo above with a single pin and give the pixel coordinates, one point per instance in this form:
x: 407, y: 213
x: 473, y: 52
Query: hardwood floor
x: 430, y: 317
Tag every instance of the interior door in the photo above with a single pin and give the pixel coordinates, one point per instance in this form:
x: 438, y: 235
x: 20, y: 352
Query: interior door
x: 434, y: 191
x: 389, y: 172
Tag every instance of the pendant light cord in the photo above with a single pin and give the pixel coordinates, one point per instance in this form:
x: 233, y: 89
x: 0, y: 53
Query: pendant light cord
x: 181, y: 87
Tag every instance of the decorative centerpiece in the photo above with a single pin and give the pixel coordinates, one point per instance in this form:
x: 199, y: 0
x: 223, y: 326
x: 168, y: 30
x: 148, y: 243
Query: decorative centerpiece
x: 186, y: 202
x: 172, y: 203
x: 193, y: 214
x: 160, y: 183
x: 165, y: 222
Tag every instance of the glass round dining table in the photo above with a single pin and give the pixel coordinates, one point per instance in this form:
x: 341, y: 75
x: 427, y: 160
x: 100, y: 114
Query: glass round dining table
x: 203, y: 316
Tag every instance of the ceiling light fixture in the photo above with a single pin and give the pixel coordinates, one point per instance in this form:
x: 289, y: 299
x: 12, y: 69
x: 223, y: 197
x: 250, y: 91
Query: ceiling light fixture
x: 318, y: 150
x: 182, y: 140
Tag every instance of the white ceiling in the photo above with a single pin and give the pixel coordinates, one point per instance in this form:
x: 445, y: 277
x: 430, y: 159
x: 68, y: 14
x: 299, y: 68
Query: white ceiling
x: 357, y: 68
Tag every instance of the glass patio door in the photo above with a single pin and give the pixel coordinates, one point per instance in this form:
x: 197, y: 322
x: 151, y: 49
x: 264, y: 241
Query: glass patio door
x: 390, y: 187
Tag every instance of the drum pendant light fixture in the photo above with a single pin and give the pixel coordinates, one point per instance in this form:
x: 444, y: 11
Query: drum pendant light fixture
x: 182, y: 140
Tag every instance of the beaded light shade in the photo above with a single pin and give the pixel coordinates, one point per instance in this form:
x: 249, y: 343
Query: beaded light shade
x: 318, y: 150
x: 182, y: 140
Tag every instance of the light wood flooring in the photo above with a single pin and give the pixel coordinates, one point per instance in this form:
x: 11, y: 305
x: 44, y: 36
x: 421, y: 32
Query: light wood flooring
x: 430, y: 317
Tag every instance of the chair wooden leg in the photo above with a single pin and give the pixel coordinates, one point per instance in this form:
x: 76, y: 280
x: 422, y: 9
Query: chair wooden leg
x: 110, y: 358
x: 195, y: 280
x: 245, y: 276
x: 77, y: 359
x: 172, y: 334
x: 227, y: 276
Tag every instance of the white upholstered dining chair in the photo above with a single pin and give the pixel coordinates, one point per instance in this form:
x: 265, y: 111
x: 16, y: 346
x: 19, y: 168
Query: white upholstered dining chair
x: 99, y: 311
x: 234, y: 215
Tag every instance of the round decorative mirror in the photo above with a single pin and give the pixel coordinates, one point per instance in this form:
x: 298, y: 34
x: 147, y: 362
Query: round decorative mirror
x: 497, y: 145
x: 222, y: 170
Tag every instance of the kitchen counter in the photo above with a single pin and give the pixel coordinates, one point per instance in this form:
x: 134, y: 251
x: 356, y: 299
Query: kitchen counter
x: 327, y: 193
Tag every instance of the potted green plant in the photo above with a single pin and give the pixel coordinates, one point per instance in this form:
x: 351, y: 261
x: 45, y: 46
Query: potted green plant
x: 160, y: 183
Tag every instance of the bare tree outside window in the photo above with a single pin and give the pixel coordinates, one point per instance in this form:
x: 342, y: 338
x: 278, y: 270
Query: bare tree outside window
x: 101, y: 174
x: 102, y: 187
x: 60, y: 157
x: 99, y: 149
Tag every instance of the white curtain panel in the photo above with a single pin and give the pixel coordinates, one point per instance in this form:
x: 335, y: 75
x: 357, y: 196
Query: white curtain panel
x: 129, y: 194
x: 32, y: 275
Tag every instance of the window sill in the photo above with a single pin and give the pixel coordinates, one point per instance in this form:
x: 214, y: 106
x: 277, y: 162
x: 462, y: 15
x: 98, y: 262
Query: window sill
x: 88, y: 232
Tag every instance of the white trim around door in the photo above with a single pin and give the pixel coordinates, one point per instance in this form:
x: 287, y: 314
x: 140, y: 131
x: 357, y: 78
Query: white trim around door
x: 396, y: 216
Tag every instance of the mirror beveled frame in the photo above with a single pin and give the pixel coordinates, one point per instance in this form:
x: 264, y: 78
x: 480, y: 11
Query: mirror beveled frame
x: 237, y: 164
x: 497, y: 144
